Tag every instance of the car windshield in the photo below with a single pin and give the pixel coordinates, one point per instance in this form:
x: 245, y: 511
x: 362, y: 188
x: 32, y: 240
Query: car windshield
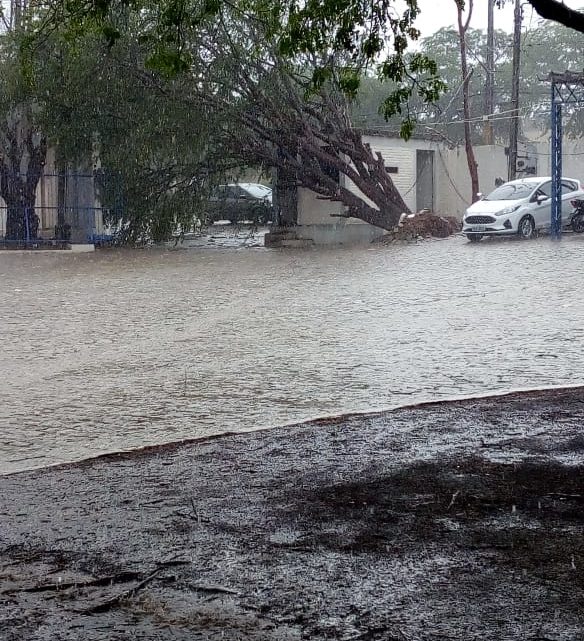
x: 512, y: 191
x: 257, y: 191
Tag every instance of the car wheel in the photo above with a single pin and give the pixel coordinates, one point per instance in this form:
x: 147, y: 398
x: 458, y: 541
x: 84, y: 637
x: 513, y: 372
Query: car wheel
x: 475, y: 238
x: 578, y: 223
x: 526, y: 228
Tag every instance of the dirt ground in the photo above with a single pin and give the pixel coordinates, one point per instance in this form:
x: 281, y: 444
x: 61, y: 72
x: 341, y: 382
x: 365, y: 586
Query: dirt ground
x: 460, y: 520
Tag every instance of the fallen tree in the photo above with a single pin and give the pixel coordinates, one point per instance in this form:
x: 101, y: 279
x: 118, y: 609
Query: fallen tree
x: 314, y: 140
x: 275, y: 115
x: 278, y: 106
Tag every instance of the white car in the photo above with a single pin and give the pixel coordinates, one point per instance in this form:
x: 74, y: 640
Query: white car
x: 519, y: 207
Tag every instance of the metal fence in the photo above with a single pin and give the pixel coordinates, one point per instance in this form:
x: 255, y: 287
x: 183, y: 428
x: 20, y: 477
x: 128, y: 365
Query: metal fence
x: 68, y: 210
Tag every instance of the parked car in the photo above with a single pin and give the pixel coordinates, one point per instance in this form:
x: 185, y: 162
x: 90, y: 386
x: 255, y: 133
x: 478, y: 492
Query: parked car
x: 240, y: 202
x: 520, y: 207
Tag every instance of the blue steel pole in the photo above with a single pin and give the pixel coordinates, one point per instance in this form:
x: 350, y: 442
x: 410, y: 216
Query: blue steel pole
x: 556, y: 210
x: 27, y: 226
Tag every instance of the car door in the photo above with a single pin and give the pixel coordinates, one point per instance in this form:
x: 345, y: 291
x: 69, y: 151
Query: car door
x: 232, y: 204
x: 542, y: 211
x: 215, y: 204
x: 568, y: 189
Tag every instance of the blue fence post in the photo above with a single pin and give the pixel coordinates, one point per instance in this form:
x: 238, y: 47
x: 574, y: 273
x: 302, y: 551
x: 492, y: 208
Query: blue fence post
x: 556, y: 210
x: 27, y: 225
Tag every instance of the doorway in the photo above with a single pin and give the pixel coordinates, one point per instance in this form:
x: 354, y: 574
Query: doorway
x: 424, y: 179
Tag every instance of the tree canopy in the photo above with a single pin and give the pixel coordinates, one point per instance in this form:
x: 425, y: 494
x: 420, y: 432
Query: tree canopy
x: 196, y: 88
x: 174, y: 131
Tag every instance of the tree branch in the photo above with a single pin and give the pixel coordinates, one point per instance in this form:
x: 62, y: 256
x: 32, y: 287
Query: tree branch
x: 559, y: 12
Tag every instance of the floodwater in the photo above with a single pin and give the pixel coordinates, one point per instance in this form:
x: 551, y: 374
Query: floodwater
x: 123, y: 348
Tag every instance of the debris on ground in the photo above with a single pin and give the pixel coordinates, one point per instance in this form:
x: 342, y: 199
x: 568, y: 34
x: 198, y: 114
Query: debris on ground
x: 424, y: 224
x: 455, y: 521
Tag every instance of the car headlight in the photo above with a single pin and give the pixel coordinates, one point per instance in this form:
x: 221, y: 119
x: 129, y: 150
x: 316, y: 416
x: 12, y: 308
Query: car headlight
x: 507, y: 210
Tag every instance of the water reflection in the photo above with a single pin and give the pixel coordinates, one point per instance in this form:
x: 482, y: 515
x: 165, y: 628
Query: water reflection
x: 125, y: 348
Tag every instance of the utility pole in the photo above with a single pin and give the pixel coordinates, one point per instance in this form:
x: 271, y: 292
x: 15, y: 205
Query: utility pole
x: 488, y: 134
x: 514, y: 126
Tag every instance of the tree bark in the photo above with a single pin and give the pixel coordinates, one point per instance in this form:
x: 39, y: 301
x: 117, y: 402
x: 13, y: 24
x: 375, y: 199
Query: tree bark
x: 18, y: 184
x: 470, y: 157
x: 286, y: 189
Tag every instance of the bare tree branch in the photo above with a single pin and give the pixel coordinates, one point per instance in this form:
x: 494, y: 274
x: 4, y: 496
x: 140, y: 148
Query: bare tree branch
x: 559, y: 12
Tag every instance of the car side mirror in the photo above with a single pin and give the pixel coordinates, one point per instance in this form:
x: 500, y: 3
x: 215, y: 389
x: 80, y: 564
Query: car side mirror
x: 541, y: 198
x: 480, y: 195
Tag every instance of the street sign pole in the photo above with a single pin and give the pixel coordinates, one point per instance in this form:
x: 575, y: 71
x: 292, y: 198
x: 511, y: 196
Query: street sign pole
x: 556, y: 221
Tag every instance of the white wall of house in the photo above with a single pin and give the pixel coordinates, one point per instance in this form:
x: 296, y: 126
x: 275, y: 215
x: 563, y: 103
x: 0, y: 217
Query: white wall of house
x: 317, y: 221
x: 401, y: 156
x: 452, y: 187
x: 572, y: 158
x: 492, y: 163
x: 313, y: 210
x: 454, y: 179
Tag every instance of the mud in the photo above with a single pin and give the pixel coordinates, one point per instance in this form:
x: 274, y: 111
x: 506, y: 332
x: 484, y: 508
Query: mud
x: 446, y: 521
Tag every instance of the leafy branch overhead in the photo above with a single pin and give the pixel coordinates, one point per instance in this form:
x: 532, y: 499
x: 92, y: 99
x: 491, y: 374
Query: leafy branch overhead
x: 360, y: 38
x: 237, y: 102
x: 369, y: 37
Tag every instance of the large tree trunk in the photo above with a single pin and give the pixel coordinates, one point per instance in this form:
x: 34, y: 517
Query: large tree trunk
x: 21, y: 166
x: 286, y: 192
x: 22, y: 223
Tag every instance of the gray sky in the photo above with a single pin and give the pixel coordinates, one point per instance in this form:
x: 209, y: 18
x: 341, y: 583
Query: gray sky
x: 442, y: 13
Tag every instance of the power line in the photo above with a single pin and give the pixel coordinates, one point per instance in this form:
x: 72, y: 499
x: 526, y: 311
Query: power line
x: 464, y: 200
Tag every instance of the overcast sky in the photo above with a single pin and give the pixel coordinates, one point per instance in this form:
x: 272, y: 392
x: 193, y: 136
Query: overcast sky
x: 442, y: 13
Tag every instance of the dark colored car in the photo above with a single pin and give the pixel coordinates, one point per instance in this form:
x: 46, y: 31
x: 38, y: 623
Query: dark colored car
x: 240, y: 203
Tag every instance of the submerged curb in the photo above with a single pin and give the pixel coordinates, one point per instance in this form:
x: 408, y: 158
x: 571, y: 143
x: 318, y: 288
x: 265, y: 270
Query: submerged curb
x: 322, y: 420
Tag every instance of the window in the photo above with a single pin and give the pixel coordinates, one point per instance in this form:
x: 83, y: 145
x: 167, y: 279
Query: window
x: 568, y: 186
x: 512, y: 191
x: 545, y: 190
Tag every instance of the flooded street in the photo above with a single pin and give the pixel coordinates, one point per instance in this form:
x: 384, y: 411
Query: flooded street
x: 124, y: 348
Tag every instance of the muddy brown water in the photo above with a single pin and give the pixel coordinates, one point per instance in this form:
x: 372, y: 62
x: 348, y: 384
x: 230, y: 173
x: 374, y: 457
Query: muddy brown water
x: 125, y: 348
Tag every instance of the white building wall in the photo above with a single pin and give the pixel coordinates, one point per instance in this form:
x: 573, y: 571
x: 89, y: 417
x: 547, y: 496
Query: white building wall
x: 492, y: 163
x: 572, y: 158
x: 455, y: 186
x: 313, y: 210
x: 452, y: 186
x: 397, y: 153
